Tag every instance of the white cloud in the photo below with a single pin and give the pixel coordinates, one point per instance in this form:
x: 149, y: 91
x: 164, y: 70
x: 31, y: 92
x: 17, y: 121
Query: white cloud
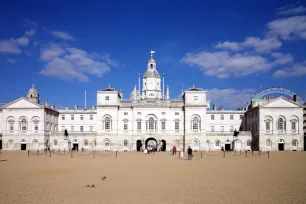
x: 230, y: 98
x: 62, y: 35
x: 288, y: 28
x: 229, y: 45
x: 291, y: 10
x: 281, y: 58
x: 224, y: 64
x: 259, y: 45
x: 298, y: 69
x: 30, y: 32
x: 13, y: 46
x: 72, y: 63
x: 11, y: 61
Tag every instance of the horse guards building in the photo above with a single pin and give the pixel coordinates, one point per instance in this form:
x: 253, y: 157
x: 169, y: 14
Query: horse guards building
x: 149, y: 117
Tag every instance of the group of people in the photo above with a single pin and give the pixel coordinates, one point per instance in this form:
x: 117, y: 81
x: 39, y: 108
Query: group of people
x: 149, y: 150
x: 189, y: 152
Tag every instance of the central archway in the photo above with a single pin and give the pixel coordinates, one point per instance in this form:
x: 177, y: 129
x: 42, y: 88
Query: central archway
x: 151, y: 142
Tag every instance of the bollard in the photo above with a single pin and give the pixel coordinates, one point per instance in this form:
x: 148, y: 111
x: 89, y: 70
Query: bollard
x: 240, y: 152
x: 259, y: 152
x: 223, y: 154
x: 64, y: 151
x: 246, y: 154
x: 116, y: 154
x: 235, y: 151
x: 94, y: 154
x: 71, y: 154
x: 49, y: 153
x: 28, y: 153
x: 252, y: 152
x: 37, y: 153
x: 179, y: 154
x: 59, y: 151
x: 268, y: 154
x: 201, y: 154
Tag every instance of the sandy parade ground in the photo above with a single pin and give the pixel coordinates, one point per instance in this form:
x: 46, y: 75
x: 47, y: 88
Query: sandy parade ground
x: 160, y: 178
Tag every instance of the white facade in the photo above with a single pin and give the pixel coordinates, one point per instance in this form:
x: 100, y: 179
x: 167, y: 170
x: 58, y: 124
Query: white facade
x: 148, y: 117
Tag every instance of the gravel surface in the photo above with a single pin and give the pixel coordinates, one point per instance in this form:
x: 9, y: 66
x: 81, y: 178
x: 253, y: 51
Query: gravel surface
x: 159, y: 178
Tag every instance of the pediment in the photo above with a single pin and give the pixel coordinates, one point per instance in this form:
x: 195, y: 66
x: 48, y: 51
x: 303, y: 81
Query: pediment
x: 22, y: 103
x: 281, y: 102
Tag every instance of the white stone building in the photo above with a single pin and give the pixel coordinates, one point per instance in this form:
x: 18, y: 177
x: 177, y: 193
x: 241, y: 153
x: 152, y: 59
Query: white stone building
x: 149, y: 117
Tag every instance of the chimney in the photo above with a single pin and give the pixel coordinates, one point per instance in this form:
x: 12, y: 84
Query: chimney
x: 46, y: 103
x: 295, y: 98
x: 66, y: 108
x: 53, y: 107
x: 167, y: 92
x: 75, y: 107
x: 214, y: 107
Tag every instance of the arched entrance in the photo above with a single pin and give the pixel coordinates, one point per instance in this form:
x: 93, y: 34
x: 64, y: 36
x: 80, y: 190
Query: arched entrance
x: 138, y: 145
x: 23, y: 145
x: 227, y: 145
x: 151, y: 142
x: 281, y: 145
x: 294, y: 145
x: 163, y: 145
x: 75, y: 146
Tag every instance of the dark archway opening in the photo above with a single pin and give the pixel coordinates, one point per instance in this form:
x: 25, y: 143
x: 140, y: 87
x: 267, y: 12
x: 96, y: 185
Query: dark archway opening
x: 138, y: 145
x: 151, y: 142
x: 0, y: 144
x: 163, y: 146
x: 304, y: 143
x: 23, y: 146
x: 281, y: 146
x: 75, y: 147
x: 227, y: 147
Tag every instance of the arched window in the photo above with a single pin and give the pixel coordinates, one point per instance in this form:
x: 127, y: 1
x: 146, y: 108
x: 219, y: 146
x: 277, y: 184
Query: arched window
x: 55, y: 143
x: 125, y: 143
x: 196, y: 144
x: 85, y: 143
x: 23, y: 124
x: 281, y: 125
x: 293, y: 125
x: 195, y: 123
x: 268, y: 143
x: 268, y: 123
x: 294, y: 143
x: 217, y: 143
x: 151, y: 123
x: 106, y: 142
x: 10, y: 143
x: 107, y: 123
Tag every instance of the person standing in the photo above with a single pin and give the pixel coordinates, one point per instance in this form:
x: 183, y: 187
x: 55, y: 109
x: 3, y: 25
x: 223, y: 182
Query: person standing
x: 174, y: 150
x: 189, y: 151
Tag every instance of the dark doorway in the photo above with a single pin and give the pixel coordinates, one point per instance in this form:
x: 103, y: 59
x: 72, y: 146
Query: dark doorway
x: 281, y: 147
x: 0, y: 144
x: 138, y: 145
x: 75, y: 147
x: 163, y: 147
x: 227, y: 147
x: 23, y: 146
x: 304, y: 143
x: 151, y: 142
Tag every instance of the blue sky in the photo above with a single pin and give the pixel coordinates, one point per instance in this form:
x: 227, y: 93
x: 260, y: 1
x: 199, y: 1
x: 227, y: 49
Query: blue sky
x: 229, y: 48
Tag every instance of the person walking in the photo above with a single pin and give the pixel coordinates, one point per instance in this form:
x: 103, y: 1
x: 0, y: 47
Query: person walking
x: 189, y: 151
x: 174, y: 150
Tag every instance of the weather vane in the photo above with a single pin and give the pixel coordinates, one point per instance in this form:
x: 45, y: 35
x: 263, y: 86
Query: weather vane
x: 151, y: 53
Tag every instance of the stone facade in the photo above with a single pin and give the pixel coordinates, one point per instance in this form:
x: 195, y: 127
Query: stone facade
x: 150, y: 116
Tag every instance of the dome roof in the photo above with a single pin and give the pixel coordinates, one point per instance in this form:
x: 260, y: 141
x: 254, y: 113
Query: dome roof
x: 32, y: 92
x: 151, y: 73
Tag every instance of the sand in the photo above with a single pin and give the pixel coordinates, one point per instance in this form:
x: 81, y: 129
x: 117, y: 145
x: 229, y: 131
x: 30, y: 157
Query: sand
x: 159, y: 178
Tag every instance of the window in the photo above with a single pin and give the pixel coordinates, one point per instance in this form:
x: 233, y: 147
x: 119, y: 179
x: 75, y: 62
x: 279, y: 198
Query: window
x: 294, y: 143
x: 163, y: 125
x: 125, y: 126
x: 241, y: 116
x: 222, y: 117
x: 231, y: 117
x: 222, y: 128
x: 249, y: 143
x: 81, y: 128
x: 218, y: 143
x: 177, y: 126
x: 280, y: 124
x: 177, y: 113
x: 23, y: 124
x: 107, y: 123
x: 81, y: 117
x: 91, y: 117
x: 138, y: 125
x: 63, y: 117
x: 125, y: 143
x: 195, y: 98
x: 63, y: 128
x: 293, y: 126
x: 55, y: 142
x: 232, y: 128
x: 151, y: 124
x: 268, y: 123
x: 138, y: 113
x: 72, y: 128
x: 36, y: 126
x: 212, y: 117
x: 107, y: 98
x: 212, y: 128
x: 72, y: 117
x: 90, y: 128
x: 11, y: 125
x: 85, y: 143
x: 195, y: 123
x: 125, y: 113
x: 163, y: 113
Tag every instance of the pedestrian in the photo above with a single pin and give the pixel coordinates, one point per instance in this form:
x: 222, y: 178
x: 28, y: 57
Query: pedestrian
x: 174, y: 149
x: 189, y: 151
x: 222, y: 149
x: 0, y: 153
